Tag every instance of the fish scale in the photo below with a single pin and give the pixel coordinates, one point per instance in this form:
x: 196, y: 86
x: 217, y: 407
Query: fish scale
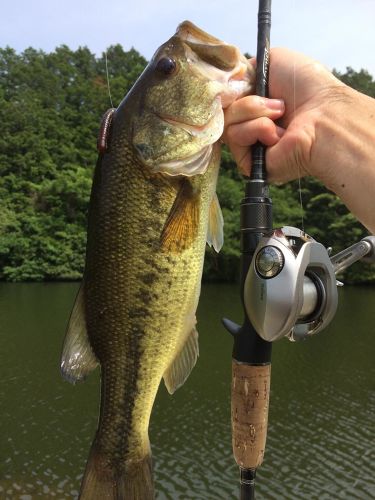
x: 153, y: 207
x: 121, y: 340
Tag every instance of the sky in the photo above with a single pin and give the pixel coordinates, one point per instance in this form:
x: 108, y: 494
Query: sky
x: 338, y: 33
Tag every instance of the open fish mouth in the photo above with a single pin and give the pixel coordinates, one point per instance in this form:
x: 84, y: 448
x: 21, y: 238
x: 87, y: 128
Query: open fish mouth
x: 218, y: 61
x: 228, y: 85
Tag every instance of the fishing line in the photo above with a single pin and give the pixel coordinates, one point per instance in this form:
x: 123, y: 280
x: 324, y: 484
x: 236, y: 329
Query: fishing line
x: 107, y: 73
x: 301, y: 201
x: 299, y: 166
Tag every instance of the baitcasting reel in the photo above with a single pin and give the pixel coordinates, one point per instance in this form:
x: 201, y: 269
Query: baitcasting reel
x: 291, y: 288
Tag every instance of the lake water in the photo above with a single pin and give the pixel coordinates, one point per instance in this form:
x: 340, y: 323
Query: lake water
x: 321, y: 440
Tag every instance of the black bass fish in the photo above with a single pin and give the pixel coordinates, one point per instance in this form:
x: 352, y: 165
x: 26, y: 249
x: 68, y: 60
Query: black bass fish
x: 153, y: 207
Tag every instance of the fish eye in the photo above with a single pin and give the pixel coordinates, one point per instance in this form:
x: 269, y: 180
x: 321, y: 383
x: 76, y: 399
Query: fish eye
x: 166, y: 66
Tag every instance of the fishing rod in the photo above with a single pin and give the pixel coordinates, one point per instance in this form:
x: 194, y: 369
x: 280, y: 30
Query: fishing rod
x: 251, y: 358
x: 288, y: 289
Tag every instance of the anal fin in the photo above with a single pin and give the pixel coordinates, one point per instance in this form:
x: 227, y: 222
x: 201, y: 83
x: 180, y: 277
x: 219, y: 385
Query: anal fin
x: 181, y: 367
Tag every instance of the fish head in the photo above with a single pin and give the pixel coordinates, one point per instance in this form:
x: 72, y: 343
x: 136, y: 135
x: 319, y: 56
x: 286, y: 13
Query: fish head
x: 180, y: 99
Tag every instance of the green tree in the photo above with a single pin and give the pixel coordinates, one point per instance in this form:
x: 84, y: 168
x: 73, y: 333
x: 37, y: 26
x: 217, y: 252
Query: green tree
x: 50, y: 110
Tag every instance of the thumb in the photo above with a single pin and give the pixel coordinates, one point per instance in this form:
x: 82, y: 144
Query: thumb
x: 289, y: 159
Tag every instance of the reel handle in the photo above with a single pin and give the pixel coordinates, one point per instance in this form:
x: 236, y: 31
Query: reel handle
x: 347, y: 257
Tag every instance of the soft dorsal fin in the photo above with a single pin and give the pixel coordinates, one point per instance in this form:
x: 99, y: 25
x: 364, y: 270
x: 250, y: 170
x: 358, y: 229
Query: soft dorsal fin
x: 77, y: 359
x: 182, y: 224
x: 215, y: 231
x: 184, y: 362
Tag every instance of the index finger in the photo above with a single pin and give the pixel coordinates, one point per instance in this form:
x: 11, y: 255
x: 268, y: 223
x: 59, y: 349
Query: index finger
x: 252, y: 107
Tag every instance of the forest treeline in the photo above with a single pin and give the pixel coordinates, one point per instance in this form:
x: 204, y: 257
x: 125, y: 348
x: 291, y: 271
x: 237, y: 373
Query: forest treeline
x: 50, y: 110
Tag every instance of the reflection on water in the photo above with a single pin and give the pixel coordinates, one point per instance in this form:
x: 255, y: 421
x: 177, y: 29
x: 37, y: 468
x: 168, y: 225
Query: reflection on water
x: 321, y: 435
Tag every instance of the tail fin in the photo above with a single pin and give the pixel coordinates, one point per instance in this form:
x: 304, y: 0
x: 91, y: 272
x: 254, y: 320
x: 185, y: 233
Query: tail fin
x: 101, y: 481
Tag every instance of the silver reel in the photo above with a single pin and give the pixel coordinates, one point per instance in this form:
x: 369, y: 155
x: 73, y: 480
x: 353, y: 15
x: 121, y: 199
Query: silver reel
x: 291, y: 288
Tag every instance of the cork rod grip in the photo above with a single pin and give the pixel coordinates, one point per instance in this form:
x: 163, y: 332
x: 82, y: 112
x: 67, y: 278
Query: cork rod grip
x: 250, y: 402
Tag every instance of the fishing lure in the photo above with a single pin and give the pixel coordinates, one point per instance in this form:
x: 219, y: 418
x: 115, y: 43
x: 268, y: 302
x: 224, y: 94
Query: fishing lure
x: 104, y: 131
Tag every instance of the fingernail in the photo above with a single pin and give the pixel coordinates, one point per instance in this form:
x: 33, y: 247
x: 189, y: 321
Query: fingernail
x: 275, y: 104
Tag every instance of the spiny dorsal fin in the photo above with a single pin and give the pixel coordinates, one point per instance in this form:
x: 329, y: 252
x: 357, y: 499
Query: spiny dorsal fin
x: 181, y: 226
x: 184, y: 362
x: 77, y: 359
x: 215, y: 231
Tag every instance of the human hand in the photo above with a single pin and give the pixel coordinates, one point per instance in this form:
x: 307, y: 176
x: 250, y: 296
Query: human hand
x: 326, y: 130
x: 298, y: 87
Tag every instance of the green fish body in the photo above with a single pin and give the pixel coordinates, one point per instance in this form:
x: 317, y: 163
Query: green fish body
x: 153, y: 207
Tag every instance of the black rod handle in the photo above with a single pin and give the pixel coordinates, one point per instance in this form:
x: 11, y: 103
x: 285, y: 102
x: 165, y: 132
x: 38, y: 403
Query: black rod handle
x: 258, y: 151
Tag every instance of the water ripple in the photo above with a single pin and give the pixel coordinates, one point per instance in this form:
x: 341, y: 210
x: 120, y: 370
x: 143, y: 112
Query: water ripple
x: 321, y: 438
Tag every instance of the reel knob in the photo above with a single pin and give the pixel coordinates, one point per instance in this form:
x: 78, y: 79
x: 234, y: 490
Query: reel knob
x: 269, y: 261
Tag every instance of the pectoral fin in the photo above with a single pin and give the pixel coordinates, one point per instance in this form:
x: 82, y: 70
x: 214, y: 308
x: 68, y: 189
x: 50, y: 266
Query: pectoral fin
x: 215, y: 232
x: 184, y: 362
x: 77, y: 359
x: 181, y: 226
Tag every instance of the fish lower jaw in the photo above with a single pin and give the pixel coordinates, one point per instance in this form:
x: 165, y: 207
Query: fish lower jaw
x: 189, y: 166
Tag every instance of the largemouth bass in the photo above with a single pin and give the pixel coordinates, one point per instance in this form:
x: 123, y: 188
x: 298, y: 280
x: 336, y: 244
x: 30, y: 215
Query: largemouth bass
x: 153, y: 207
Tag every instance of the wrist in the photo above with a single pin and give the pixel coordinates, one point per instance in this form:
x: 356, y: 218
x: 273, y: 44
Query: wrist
x: 343, y: 155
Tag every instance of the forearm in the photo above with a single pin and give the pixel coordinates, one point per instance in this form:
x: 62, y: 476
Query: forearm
x: 344, y: 155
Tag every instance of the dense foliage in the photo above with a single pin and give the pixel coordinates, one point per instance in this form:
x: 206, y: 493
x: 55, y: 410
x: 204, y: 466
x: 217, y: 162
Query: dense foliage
x: 50, y: 110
